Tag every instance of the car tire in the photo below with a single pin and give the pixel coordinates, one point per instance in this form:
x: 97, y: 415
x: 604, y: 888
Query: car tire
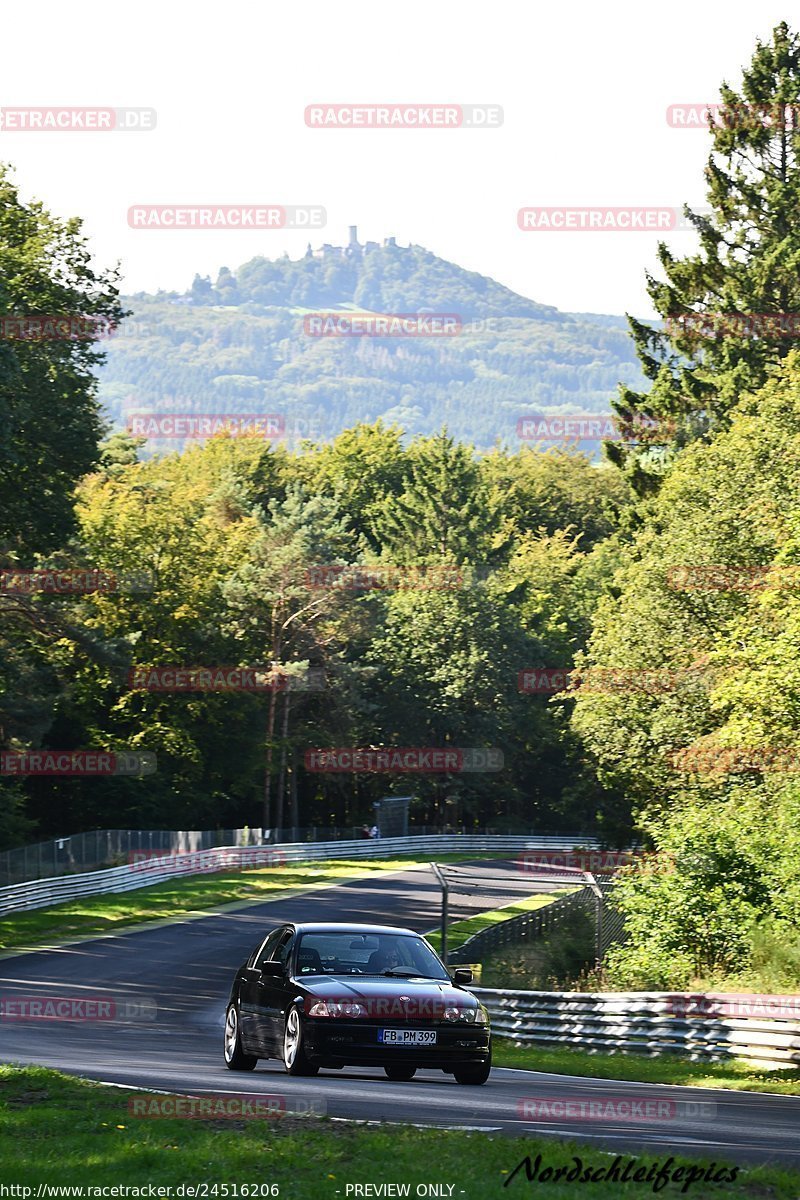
x: 474, y: 1073
x: 399, y: 1074
x: 235, y: 1057
x: 295, y: 1061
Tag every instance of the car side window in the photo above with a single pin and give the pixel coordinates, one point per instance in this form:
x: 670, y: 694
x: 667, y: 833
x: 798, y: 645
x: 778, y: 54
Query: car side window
x: 281, y: 950
x: 264, y: 951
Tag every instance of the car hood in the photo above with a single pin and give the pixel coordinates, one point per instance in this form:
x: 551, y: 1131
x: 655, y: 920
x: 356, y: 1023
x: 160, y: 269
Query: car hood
x: 355, y: 988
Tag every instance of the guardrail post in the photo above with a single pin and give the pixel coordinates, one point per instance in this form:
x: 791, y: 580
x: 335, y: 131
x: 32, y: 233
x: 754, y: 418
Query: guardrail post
x: 445, y: 893
x: 598, y: 909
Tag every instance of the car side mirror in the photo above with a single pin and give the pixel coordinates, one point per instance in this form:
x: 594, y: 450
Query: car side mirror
x: 273, y: 970
x: 462, y: 975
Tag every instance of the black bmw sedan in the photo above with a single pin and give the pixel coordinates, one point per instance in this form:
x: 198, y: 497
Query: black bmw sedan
x: 335, y: 995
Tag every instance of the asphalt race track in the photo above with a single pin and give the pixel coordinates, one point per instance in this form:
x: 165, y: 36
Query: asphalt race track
x: 175, y: 980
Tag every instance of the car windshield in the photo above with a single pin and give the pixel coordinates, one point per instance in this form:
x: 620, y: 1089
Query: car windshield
x: 367, y: 954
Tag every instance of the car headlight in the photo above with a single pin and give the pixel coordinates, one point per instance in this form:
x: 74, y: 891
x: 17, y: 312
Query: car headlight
x: 474, y: 1016
x: 349, y: 1008
x: 337, y: 1008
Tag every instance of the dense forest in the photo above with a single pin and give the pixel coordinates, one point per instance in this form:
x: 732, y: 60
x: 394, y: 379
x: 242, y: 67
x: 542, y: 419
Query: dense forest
x: 241, y: 345
x: 240, y: 539
x: 426, y: 581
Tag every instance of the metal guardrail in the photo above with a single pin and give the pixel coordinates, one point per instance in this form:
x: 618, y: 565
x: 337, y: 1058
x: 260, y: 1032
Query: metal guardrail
x: 707, y: 1026
x: 82, y: 852
x: 41, y: 893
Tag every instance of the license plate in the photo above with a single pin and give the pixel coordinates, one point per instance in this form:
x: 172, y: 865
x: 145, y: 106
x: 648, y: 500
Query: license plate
x: 407, y: 1037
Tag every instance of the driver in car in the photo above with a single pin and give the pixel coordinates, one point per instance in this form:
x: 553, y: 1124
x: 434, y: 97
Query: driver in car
x: 381, y: 960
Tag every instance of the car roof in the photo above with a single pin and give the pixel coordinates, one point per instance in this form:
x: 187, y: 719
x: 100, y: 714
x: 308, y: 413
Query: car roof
x: 347, y: 927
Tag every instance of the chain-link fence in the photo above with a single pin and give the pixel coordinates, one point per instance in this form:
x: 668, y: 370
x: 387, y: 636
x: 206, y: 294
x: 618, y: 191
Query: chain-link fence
x: 104, y: 848
x: 113, y: 847
x: 596, y: 902
x: 612, y: 919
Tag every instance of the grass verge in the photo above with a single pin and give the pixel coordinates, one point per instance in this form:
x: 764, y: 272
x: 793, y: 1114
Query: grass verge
x: 190, y: 894
x: 461, y: 931
x: 640, y: 1068
x: 59, y: 1131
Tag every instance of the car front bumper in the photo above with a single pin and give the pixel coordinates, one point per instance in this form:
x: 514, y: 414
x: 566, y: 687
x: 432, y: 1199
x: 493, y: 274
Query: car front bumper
x: 355, y: 1043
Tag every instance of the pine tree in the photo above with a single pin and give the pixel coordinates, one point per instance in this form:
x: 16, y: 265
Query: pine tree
x: 442, y: 511
x: 715, y: 344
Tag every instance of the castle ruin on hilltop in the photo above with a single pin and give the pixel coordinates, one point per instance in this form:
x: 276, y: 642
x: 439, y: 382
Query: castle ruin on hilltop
x: 353, y: 249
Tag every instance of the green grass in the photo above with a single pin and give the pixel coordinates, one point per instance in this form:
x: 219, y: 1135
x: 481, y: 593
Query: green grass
x: 641, y: 1068
x: 460, y: 931
x: 191, y: 894
x: 556, y: 960
x: 69, y: 1132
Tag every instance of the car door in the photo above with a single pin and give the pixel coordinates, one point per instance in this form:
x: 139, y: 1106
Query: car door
x: 275, y: 993
x: 249, y: 999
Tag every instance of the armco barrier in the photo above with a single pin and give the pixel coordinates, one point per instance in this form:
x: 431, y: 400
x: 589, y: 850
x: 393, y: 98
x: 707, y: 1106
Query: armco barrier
x: 41, y: 893
x: 709, y: 1026
x: 97, y: 849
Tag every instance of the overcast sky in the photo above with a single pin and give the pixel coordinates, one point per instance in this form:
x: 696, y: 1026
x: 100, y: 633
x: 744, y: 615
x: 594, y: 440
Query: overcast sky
x: 584, y: 90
